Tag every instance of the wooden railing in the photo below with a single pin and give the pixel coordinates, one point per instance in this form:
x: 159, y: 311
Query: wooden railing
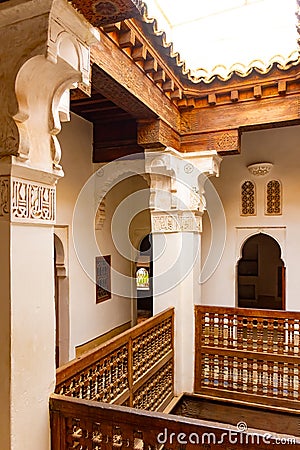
x: 133, y: 369
x: 248, y: 355
x: 88, y: 425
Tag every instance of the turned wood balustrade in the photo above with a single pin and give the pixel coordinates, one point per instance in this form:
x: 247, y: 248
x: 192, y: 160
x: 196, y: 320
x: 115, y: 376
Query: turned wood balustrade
x: 133, y: 369
x: 248, y: 355
x: 87, y: 425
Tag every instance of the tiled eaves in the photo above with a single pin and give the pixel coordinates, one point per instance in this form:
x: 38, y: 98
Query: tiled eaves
x: 158, y: 37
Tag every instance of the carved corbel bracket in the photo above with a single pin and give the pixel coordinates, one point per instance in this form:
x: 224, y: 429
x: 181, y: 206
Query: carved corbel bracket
x: 51, y: 53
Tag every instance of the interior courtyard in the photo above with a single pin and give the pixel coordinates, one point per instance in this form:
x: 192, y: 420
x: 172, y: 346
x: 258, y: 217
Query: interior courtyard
x: 149, y: 227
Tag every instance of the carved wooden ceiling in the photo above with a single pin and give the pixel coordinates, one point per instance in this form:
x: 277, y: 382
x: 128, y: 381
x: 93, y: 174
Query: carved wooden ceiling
x: 100, y: 12
x: 142, y: 98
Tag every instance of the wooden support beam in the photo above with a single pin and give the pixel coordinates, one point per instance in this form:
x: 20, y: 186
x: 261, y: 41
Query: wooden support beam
x: 139, y: 53
x: 168, y: 86
x: 212, y: 99
x: 218, y: 128
x: 122, y: 81
x: 224, y: 142
x: 150, y: 66
x: 127, y: 39
x: 176, y: 94
x: 160, y: 76
x: 234, y: 96
x: 157, y: 134
x: 257, y: 91
x: 282, y: 87
x: 112, y: 28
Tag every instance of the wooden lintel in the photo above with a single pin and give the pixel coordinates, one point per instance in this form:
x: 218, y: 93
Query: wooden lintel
x: 266, y: 112
x: 157, y: 134
x: 224, y: 142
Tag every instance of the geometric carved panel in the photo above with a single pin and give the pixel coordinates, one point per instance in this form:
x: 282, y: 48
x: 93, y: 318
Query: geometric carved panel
x: 248, y: 200
x: 273, y: 198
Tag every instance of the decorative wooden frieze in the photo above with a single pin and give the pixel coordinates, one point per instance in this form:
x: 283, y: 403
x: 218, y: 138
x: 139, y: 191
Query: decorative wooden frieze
x: 99, y: 12
x: 157, y: 134
x: 273, y: 198
x: 248, y: 200
x: 227, y: 141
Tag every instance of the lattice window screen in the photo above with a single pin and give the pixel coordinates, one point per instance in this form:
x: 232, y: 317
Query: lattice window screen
x: 248, y: 199
x: 273, y: 198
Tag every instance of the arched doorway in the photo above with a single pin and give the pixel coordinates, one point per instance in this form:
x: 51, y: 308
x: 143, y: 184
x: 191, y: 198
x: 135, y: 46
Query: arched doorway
x: 61, y: 297
x: 144, y: 280
x: 261, y: 274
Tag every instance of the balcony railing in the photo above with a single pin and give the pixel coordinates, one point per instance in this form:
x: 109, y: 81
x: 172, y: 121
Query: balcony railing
x: 248, y: 355
x: 133, y: 369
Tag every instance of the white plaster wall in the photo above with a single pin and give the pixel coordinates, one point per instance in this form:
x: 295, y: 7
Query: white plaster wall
x: 88, y: 319
x: 279, y: 146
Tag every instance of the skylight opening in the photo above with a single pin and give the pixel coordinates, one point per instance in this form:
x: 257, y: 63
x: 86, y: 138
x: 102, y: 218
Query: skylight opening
x: 214, y: 35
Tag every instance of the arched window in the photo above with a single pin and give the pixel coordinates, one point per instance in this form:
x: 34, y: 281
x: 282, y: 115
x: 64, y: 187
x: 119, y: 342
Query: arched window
x: 248, y: 201
x: 142, y: 278
x: 273, y: 200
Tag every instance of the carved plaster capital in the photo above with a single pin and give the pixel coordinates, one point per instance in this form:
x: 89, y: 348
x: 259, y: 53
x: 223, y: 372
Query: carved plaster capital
x: 177, y: 179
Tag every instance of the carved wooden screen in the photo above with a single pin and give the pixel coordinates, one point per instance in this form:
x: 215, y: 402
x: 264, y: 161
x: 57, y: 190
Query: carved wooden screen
x: 248, y: 355
x: 248, y: 200
x: 133, y: 369
x: 273, y: 198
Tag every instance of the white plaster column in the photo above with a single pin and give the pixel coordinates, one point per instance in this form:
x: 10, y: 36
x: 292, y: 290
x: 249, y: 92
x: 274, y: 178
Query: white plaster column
x: 177, y: 203
x: 44, y: 51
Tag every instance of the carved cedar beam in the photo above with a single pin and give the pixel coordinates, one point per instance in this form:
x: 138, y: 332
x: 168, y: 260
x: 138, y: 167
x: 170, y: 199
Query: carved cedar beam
x: 224, y: 142
x: 218, y: 127
x: 157, y: 134
x: 128, y: 75
x: 99, y: 13
x: 128, y: 36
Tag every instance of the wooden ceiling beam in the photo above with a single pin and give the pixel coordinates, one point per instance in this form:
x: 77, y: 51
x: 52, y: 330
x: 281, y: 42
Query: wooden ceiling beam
x: 121, y: 80
x: 105, y: 13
